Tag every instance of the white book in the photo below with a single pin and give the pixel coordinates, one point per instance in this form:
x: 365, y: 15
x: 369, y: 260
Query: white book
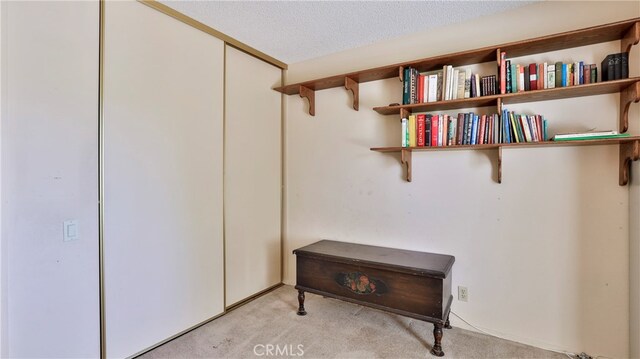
x: 460, y: 87
x: 433, y: 88
x: 450, y: 73
x: 467, y: 84
x: 576, y: 73
x: 534, y: 128
x: 404, y: 133
x: 445, y: 83
x: 521, y: 82
x: 454, y: 88
x: 551, y: 76
x: 545, y: 79
x: 425, y: 87
x: 526, y: 129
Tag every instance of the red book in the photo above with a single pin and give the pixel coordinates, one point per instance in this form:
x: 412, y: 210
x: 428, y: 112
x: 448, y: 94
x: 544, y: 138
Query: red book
x: 460, y: 129
x: 533, y: 77
x: 587, y: 74
x: 419, y: 87
x: 503, y: 73
x: 434, y: 130
x: 541, y: 71
x: 420, y: 129
x: 483, y: 121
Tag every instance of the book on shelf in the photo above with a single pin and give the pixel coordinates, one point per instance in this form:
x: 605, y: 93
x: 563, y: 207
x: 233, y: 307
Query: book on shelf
x: 405, y: 132
x: 503, y: 73
x: 615, y: 67
x: 420, y: 130
x: 533, y: 77
x: 589, y: 135
x: 441, y: 130
x: 412, y: 131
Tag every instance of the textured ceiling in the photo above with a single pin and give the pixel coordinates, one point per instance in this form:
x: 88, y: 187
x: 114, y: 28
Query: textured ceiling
x: 293, y: 31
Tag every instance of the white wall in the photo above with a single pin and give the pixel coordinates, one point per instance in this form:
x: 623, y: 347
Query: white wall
x: 49, y: 174
x: 544, y: 254
x: 252, y: 186
x: 163, y: 107
x: 3, y: 251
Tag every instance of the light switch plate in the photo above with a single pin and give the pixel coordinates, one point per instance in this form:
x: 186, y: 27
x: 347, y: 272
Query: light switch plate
x: 70, y: 230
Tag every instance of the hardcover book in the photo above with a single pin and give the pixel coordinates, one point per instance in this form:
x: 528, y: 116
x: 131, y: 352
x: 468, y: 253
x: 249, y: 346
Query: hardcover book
x: 558, y: 75
x: 533, y: 77
x: 551, y: 76
x: 624, y: 65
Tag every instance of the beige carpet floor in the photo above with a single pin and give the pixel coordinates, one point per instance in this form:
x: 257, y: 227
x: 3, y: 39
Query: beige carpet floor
x: 331, y: 329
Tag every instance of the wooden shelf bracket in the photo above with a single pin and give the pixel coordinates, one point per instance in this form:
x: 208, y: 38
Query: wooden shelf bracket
x: 632, y: 37
x: 310, y: 95
x: 499, y: 164
x: 629, y: 151
x: 405, y: 158
x: 352, y: 85
x: 627, y: 96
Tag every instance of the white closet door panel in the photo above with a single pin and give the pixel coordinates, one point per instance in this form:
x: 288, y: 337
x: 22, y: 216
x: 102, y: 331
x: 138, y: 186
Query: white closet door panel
x: 163, y: 133
x: 252, y: 176
x: 49, y: 175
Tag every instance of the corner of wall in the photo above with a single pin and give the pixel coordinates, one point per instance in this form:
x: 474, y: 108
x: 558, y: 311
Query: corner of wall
x: 634, y: 225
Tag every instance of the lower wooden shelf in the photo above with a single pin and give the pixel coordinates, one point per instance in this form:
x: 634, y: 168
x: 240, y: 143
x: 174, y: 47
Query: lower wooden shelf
x: 629, y: 151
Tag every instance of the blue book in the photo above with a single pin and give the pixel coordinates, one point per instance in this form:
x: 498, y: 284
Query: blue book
x: 565, y: 69
x: 507, y: 126
x: 581, y: 72
x: 474, y: 130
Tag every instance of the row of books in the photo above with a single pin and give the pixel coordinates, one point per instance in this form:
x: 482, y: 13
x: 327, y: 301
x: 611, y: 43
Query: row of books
x: 472, y: 129
x: 518, y: 78
x: 615, y: 66
x: 448, y: 84
x: 452, y: 83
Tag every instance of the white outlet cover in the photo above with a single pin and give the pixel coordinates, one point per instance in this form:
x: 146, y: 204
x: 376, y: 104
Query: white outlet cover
x: 70, y: 230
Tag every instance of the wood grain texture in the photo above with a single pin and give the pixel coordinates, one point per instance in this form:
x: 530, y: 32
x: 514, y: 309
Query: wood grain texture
x: 629, y: 151
x: 608, y: 141
x: 416, y: 284
x: 593, y: 89
x: 565, y: 40
x: 352, y: 85
x: 627, y: 96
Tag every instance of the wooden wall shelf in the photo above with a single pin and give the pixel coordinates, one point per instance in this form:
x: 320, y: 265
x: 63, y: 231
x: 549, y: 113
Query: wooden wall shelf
x: 627, y: 30
x: 598, y: 88
x: 629, y: 151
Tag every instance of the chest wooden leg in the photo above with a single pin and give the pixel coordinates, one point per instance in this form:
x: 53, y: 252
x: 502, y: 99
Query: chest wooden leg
x: 437, y: 345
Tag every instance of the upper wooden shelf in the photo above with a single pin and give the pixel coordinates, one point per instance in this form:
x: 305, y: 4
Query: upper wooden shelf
x: 598, y: 88
x: 626, y: 30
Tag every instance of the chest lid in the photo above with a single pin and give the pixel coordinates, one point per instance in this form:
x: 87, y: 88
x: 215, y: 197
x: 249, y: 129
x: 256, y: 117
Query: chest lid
x: 431, y: 264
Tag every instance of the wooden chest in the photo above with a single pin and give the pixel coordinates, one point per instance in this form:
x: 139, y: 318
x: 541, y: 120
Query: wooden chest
x: 414, y: 284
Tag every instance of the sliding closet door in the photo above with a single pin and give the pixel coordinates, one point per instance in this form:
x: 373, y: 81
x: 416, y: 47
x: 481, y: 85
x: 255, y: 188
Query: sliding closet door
x: 163, y: 133
x: 252, y: 176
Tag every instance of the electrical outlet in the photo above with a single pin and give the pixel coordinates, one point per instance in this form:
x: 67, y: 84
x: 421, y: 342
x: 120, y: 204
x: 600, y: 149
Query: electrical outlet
x: 463, y: 294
